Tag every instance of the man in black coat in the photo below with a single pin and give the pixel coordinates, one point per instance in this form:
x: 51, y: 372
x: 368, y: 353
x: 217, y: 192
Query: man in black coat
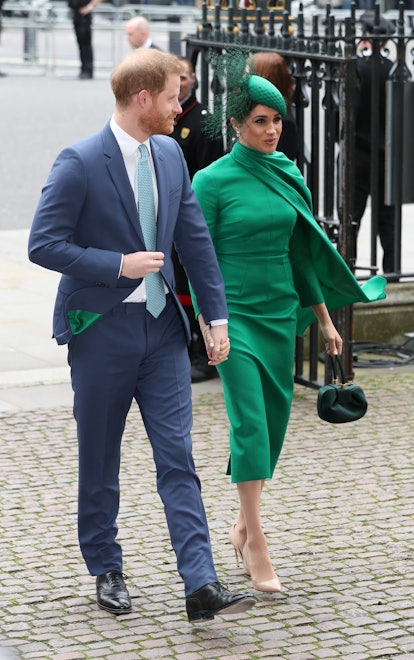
x: 199, y: 151
x: 363, y: 120
x: 82, y: 24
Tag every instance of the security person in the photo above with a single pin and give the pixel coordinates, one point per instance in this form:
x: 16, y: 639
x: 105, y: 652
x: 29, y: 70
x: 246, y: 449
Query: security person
x: 199, y: 151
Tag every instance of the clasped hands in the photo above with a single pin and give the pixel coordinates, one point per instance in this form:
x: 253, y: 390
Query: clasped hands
x: 139, y: 264
x: 216, y: 341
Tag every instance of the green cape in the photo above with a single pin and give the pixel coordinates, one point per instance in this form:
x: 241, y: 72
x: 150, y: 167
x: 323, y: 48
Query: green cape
x: 332, y: 279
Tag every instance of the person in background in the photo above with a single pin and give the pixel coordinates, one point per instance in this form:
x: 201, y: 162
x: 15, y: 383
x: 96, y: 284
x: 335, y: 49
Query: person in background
x: 82, y: 23
x: 109, y: 227
x: 363, y: 140
x: 137, y: 30
x: 273, y: 67
x: 199, y: 151
x: 281, y: 272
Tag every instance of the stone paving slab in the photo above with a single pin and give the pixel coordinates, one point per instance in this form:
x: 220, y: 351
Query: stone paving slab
x: 338, y: 517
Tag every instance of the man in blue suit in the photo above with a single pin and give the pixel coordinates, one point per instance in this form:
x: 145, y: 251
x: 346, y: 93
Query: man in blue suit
x: 88, y: 227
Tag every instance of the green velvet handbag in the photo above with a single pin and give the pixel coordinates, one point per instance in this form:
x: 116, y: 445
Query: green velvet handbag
x: 341, y: 401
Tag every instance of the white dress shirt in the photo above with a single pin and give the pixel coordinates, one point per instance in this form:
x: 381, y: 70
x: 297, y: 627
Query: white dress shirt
x: 129, y: 149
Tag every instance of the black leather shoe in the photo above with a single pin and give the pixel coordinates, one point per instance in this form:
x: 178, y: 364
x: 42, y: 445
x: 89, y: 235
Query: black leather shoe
x: 112, y: 594
x: 215, y: 599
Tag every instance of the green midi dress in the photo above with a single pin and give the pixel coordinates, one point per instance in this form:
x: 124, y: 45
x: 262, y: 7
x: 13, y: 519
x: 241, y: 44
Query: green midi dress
x: 252, y: 226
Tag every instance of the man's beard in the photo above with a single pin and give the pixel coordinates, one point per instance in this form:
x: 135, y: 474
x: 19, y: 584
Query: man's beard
x: 157, y: 124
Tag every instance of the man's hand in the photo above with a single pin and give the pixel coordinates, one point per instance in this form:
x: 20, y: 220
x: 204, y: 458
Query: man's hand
x: 139, y: 264
x: 86, y: 9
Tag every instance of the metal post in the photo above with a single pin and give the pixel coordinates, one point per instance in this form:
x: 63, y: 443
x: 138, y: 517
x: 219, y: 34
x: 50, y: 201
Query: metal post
x: 398, y: 74
x: 347, y: 238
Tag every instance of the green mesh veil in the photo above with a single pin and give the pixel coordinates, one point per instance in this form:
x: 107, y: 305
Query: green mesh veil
x: 242, y: 90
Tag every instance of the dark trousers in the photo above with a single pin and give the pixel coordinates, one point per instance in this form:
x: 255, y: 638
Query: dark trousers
x: 83, y: 31
x: 183, y: 292
x: 386, y: 227
x: 126, y: 355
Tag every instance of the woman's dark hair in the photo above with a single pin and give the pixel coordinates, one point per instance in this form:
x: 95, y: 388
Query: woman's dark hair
x: 273, y: 67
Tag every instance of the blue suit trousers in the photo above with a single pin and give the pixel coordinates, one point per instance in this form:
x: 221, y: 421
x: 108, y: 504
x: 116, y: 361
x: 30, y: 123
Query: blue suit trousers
x: 126, y: 355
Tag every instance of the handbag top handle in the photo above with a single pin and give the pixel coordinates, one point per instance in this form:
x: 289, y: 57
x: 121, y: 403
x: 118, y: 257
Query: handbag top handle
x: 336, y: 361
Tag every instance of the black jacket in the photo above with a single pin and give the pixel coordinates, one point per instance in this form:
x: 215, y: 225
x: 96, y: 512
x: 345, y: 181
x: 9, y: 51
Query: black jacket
x: 199, y: 151
x: 363, y: 118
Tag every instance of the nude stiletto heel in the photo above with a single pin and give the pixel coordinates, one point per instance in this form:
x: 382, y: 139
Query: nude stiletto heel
x: 237, y: 550
x: 269, y: 586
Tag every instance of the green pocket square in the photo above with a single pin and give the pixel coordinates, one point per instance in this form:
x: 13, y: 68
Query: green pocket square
x: 79, y: 320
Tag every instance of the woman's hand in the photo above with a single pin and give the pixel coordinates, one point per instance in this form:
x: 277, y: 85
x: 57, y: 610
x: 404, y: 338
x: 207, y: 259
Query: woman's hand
x: 333, y: 339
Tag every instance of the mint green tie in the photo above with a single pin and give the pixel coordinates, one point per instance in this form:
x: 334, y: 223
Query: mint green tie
x: 154, y: 283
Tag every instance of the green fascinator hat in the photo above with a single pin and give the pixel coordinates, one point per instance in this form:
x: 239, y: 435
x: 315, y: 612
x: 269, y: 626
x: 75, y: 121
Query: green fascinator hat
x: 243, y: 89
x: 262, y: 91
x: 253, y: 90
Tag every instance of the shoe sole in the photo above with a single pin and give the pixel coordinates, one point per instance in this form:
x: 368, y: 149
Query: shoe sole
x: 126, y: 610
x: 234, y: 608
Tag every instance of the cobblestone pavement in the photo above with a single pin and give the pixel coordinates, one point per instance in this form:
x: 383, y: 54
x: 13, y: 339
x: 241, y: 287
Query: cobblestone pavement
x: 338, y: 517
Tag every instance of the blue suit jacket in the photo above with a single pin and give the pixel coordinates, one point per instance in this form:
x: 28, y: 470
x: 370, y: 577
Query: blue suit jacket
x: 87, y: 218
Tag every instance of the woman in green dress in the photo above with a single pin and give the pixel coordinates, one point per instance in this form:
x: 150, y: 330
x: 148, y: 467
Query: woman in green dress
x: 280, y: 271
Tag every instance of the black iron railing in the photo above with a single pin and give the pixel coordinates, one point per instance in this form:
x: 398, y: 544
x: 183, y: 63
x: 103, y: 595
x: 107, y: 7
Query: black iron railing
x: 322, y: 58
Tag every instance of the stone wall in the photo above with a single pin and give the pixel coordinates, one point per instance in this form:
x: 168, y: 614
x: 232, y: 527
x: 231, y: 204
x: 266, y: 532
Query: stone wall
x: 387, y: 320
